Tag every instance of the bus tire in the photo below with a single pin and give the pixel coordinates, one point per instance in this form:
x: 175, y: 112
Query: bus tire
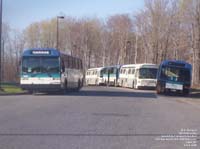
x: 158, y: 89
x: 78, y: 86
x: 186, y: 92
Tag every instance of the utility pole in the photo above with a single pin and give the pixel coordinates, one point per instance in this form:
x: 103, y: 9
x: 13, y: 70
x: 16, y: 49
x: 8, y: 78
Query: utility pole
x: 57, y: 30
x: 2, y: 61
x: 0, y: 38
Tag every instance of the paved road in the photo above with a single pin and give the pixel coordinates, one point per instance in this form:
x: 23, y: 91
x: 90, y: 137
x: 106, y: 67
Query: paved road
x: 97, y: 118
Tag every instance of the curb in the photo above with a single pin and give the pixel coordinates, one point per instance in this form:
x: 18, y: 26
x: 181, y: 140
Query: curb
x: 13, y: 94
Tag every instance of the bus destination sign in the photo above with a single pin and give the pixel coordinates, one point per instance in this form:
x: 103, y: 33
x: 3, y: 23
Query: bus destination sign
x: 41, y: 52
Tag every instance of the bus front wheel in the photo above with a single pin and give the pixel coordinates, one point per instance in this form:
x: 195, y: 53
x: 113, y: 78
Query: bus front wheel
x: 186, y: 92
x: 160, y: 89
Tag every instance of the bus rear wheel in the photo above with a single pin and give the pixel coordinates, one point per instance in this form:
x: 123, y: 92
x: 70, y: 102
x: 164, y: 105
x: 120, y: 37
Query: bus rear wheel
x: 79, y: 85
x: 186, y: 92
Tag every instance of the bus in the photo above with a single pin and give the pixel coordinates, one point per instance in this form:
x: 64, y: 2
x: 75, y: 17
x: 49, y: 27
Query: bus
x: 47, y: 69
x: 138, y: 76
x: 174, y: 76
x: 94, y: 76
x: 111, y: 75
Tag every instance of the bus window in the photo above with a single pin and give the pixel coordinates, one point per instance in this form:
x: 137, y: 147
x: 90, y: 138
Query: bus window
x: 79, y: 64
x: 31, y: 65
x: 129, y: 71
x: 175, y: 74
x: 133, y: 71
x: 121, y: 71
x: 115, y: 70
x: 76, y: 63
x: 147, y: 73
x: 124, y: 71
x: 111, y: 70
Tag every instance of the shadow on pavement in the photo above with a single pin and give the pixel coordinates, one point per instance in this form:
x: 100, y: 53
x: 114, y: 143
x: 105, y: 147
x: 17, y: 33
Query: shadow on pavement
x: 195, y: 95
x: 106, y: 94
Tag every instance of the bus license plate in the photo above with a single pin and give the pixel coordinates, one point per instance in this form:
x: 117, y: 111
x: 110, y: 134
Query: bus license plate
x: 174, y: 86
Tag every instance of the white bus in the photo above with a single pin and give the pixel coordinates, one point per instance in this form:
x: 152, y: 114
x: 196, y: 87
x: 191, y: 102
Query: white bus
x: 94, y: 76
x: 111, y: 75
x: 138, y: 76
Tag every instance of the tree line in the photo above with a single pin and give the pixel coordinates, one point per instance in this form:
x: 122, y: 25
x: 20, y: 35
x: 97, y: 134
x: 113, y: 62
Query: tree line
x: 163, y: 29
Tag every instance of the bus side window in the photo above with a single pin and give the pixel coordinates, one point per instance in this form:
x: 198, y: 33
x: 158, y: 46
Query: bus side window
x: 121, y: 71
x: 111, y: 70
x: 129, y: 71
x: 75, y: 64
x: 63, y: 65
x: 72, y: 63
x: 81, y: 64
x: 124, y: 71
x: 78, y: 64
x: 133, y: 71
x: 66, y: 62
x: 69, y: 62
x: 114, y: 70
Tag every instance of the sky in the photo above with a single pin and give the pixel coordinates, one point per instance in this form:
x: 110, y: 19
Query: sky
x: 21, y: 13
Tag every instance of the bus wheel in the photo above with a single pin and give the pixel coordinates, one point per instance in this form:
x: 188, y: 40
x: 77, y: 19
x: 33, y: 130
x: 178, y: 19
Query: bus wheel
x: 78, y: 86
x: 30, y: 91
x: 158, y: 89
x: 186, y: 92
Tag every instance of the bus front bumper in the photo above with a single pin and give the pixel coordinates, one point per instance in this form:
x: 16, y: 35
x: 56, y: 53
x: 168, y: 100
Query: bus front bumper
x: 41, y: 87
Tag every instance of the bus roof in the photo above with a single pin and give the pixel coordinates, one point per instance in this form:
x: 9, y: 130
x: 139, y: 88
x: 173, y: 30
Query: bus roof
x: 113, y: 66
x: 140, y: 65
x: 176, y: 63
x: 98, y: 68
x: 51, y: 52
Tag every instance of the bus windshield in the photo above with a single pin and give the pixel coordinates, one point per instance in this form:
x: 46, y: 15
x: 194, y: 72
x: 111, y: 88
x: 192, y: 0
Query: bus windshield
x: 40, y: 65
x: 175, y: 74
x: 147, y: 73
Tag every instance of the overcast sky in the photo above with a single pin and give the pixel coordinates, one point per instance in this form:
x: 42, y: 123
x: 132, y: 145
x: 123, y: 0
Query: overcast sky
x: 20, y: 13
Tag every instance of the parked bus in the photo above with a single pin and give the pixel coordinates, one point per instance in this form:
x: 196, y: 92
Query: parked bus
x: 111, y: 75
x: 94, y: 76
x: 50, y: 70
x: 138, y: 76
x: 174, y: 76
